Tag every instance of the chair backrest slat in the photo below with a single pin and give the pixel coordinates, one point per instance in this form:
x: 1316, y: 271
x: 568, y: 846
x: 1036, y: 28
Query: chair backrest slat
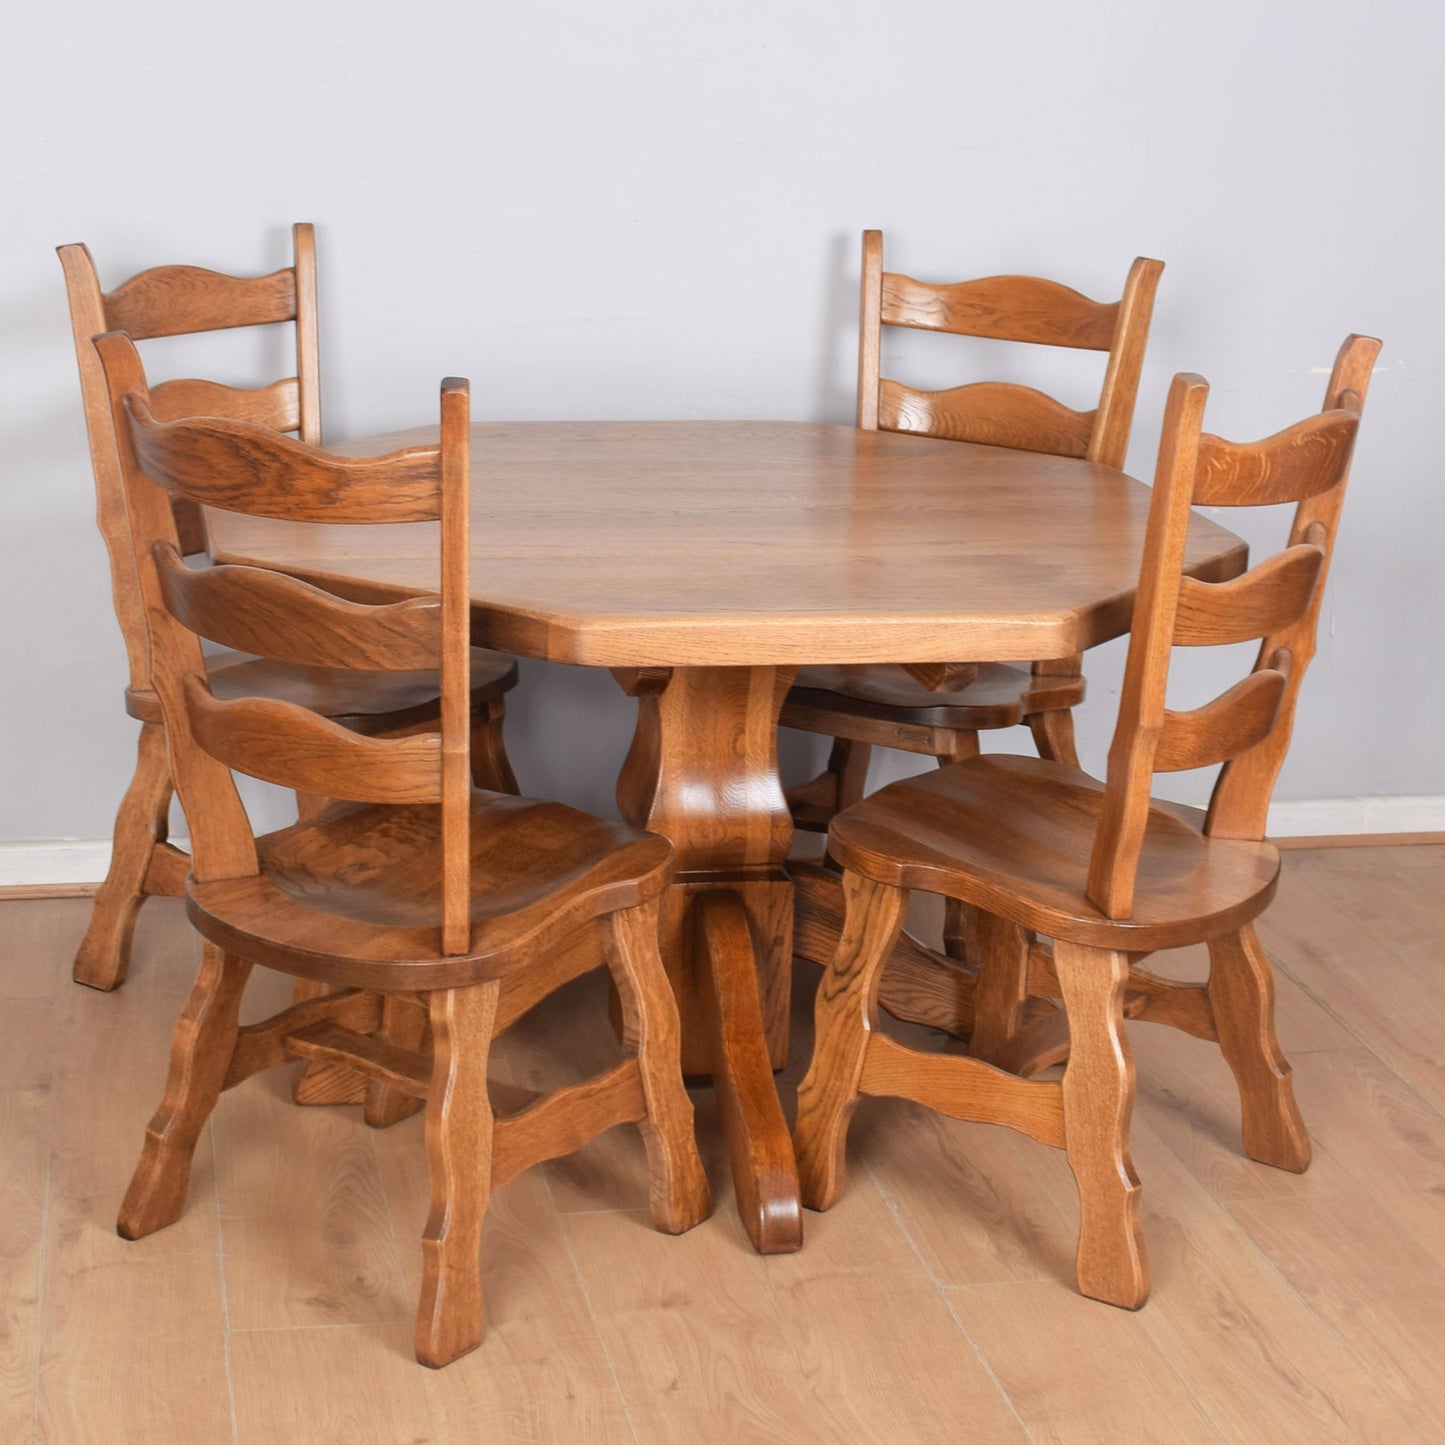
x: 1006, y: 308
x: 242, y: 468
x: 1288, y: 467
x: 1266, y: 598
x: 170, y: 301
x: 272, y: 615
x: 1002, y: 308
x: 178, y: 300
x: 993, y: 413
x: 1234, y: 721
x: 291, y: 746
x: 276, y: 407
x: 1248, y: 727
x: 255, y: 471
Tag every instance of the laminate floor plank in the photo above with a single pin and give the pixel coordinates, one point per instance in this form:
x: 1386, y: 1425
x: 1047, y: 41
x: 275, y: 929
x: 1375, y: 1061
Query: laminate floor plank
x: 24, y: 1127
x: 1384, y: 989
x: 961, y: 1192
x: 134, y: 1350
x: 304, y: 1385
x: 696, y: 1343
x: 304, y: 1225
x: 934, y: 1302
x: 1376, y: 1288
x: 1078, y: 1372
x: 875, y: 1339
x: 1256, y: 1358
x: 542, y: 1372
x: 41, y: 936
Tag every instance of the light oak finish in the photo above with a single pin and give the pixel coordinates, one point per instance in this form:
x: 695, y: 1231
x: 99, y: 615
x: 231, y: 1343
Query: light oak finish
x: 1033, y: 847
x: 1303, y: 1308
x: 940, y: 710
x: 702, y: 562
x: 182, y: 300
x: 411, y: 881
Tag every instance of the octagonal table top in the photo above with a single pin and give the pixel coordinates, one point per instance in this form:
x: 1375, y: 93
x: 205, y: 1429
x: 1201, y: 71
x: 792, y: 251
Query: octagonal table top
x: 627, y: 544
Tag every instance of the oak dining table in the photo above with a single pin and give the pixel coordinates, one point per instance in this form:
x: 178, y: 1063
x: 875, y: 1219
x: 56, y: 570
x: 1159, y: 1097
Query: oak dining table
x: 703, y: 563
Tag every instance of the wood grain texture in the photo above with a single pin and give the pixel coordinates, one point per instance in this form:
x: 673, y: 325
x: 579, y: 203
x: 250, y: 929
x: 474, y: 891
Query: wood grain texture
x: 459, y: 1156
x: 1301, y: 1307
x: 765, y: 1175
x: 169, y: 301
x: 1106, y: 872
x: 376, y: 886
x: 618, y: 544
x: 845, y: 1016
x: 1005, y: 308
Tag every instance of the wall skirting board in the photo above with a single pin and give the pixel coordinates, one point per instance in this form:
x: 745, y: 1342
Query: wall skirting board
x: 76, y: 861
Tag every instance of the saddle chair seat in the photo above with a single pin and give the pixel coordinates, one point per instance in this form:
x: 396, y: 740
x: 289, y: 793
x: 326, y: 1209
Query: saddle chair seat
x: 1012, y: 835
x: 536, y: 867
x: 361, y: 699
x: 1001, y: 695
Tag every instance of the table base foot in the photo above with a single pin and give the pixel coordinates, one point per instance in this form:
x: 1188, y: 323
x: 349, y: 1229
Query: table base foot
x: 765, y: 1173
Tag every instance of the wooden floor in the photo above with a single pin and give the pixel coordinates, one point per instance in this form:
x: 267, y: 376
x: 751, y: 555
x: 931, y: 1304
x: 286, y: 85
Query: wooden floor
x: 932, y: 1304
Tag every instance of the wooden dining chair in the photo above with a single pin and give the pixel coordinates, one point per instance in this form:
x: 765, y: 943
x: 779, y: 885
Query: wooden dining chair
x: 184, y: 300
x: 938, y: 709
x: 438, y: 911
x: 1036, y: 846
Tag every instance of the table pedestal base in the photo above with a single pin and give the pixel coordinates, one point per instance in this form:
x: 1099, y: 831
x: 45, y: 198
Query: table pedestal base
x: 703, y: 772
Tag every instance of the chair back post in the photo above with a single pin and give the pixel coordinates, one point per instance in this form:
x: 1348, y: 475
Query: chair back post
x: 87, y: 319
x: 1239, y: 804
x: 456, y: 685
x: 224, y: 847
x: 1114, y: 863
x: 1114, y: 419
x: 308, y: 341
x: 870, y: 330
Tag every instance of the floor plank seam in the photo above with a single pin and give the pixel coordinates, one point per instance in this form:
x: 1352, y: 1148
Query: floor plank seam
x: 592, y: 1310
x: 938, y: 1285
x: 1364, y: 1044
x: 42, y: 1255
x: 431, y: 1423
x: 1222, y: 1208
x: 221, y: 1271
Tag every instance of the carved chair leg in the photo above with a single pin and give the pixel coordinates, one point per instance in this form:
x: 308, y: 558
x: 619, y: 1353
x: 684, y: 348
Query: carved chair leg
x: 491, y: 767
x: 104, y: 957
x: 403, y: 1023
x: 678, y: 1192
x: 1001, y: 951
x: 1054, y: 736
x: 845, y: 1015
x: 201, y: 1049
x: 1098, y: 1091
x: 955, y: 914
x: 459, y: 1154
x: 320, y: 1083
x: 840, y: 784
x: 1241, y: 994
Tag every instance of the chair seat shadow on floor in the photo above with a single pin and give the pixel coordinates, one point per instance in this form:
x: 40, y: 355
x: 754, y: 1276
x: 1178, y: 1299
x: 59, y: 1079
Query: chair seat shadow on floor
x: 187, y: 300
x: 435, y: 911
x: 1038, y: 850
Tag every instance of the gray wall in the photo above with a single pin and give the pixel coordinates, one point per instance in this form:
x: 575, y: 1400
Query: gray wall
x: 651, y: 209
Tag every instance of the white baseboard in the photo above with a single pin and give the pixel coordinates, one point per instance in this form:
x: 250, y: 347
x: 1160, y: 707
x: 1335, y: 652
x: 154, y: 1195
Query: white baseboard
x: 83, y: 860
x: 56, y: 862
x: 1346, y: 817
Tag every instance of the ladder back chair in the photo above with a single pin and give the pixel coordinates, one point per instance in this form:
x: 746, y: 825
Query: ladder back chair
x: 1037, y: 847
x: 185, y: 300
x: 437, y: 911
x: 939, y: 709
